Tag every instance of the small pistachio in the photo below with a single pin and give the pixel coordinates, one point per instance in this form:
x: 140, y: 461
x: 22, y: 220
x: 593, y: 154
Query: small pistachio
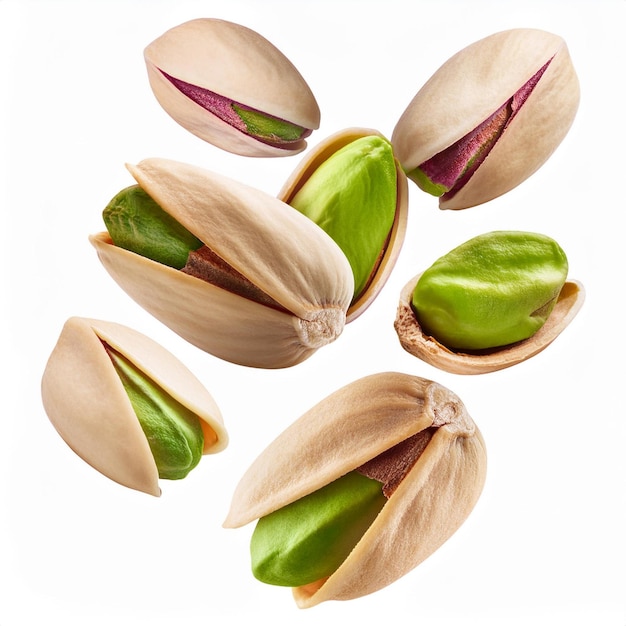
x: 353, y: 196
x: 362, y: 488
x: 492, y: 302
x: 493, y: 290
x: 231, y: 87
x: 353, y: 187
x: 127, y: 406
x: 489, y: 117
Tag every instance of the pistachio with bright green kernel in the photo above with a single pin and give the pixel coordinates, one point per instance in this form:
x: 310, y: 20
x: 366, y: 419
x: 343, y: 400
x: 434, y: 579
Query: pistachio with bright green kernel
x: 127, y: 406
x: 354, y: 188
x: 489, y: 117
x: 353, y: 197
x: 361, y: 488
x: 231, y: 87
x: 490, y: 303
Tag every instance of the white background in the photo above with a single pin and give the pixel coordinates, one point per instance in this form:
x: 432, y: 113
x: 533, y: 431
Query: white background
x: 545, y: 544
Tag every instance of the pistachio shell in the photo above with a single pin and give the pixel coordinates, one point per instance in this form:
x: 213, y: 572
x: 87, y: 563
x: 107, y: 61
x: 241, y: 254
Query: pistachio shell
x: 303, y: 172
x: 350, y: 427
x: 86, y: 402
x: 470, y: 87
x: 239, y: 65
x: 428, y: 349
x: 279, y: 250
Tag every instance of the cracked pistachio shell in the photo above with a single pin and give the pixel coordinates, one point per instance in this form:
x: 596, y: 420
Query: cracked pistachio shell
x: 345, y: 430
x: 468, y: 88
x: 389, y: 254
x: 280, y: 251
x: 238, y: 66
x: 85, y: 400
x: 425, y: 347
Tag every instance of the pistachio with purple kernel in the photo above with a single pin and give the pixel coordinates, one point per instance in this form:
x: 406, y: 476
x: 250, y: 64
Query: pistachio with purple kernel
x: 231, y: 87
x: 489, y: 117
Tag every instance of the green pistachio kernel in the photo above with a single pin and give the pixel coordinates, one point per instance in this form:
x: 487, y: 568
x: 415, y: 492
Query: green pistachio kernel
x: 137, y: 223
x: 268, y: 128
x: 491, y: 291
x: 352, y: 196
x: 308, y: 539
x: 174, y: 432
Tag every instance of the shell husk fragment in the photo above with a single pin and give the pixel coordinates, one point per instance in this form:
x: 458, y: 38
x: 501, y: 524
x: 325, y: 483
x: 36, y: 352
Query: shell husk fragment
x: 350, y: 427
x: 279, y: 250
x: 86, y: 402
x: 473, y: 84
x: 314, y: 158
x: 239, y: 64
x: 428, y: 349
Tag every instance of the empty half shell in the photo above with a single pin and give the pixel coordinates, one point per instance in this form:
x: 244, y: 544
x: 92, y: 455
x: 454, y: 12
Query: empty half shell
x: 489, y: 117
x: 86, y: 402
x: 349, y: 429
x: 395, y: 237
x: 415, y: 341
x: 230, y: 86
x: 280, y: 252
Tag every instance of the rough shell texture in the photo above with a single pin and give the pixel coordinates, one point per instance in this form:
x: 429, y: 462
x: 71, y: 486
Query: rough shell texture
x: 350, y: 427
x: 279, y: 250
x: 236, y: 63
x: 470, y: 86
x: 303, y: 172
x: 428, y: 349
x: 85, y: 400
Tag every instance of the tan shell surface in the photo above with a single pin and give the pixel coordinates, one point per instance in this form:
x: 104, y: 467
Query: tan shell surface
x: 472, y: 85
x: 428, y: 349
x: 87, y: 404
x: 350, y: 427
x: 279, y: 250
x: 237, y: 63
x: 314, y: 158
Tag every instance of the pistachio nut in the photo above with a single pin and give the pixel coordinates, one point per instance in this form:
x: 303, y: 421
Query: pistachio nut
x: 267, y: 288
x: 317, y: 488
x: 353, y: 187
x: 231, y: 87
x: 127, y: 406
x: 493, y: 301
x: 489, y: 117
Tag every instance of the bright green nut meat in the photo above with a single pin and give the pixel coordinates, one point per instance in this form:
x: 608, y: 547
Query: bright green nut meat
x: 352, y: 196
x: 491, y: 291
x: 308, y: 539
x: 174, y: 432
x: 137, y: 223
x: 268, y: 128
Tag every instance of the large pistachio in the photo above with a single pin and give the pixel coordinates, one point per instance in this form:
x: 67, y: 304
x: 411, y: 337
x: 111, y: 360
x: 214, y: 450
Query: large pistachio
x: 493, y: 301
x: 231, y: 87
x: 127, y: 406
x: 489, y: 117
x: 413, y: 436
x: 352, y: 186
x: 267, y: 288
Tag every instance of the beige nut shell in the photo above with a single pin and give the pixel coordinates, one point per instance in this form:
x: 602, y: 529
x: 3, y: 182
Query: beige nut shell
x: 415, y: 341
x: 280, y: 250
x: 323, y: 151
x: 348, y: 428
x: 86, y: 402
x: 472, y: 85
x: 235, y: 62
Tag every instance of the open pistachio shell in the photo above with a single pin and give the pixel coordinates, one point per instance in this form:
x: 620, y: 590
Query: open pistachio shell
x: 309, y: 164
x: 428, y: 349
x: 346, y: 430
x: 473, y: 84
x: 281, y: 252
x: 86, y: 402
x: 222, y: 64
